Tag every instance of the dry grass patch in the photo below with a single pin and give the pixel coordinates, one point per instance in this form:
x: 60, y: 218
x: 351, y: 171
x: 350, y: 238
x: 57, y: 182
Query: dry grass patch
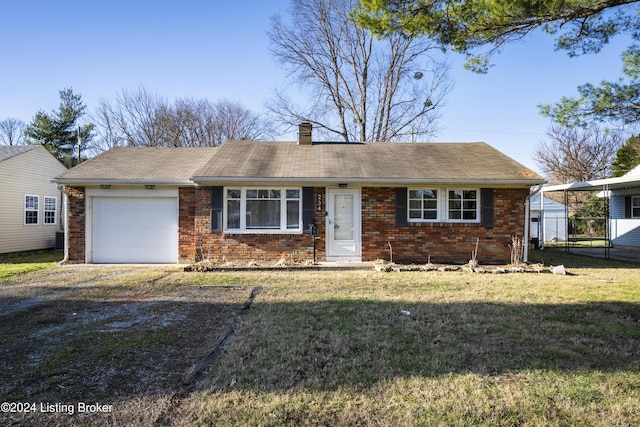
x: 326, y: 348
x: 432, y: 349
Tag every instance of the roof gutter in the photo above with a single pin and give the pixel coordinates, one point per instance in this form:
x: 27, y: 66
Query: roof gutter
x: 207, y: 180
x: 355, y: 180
x: 73, y: 181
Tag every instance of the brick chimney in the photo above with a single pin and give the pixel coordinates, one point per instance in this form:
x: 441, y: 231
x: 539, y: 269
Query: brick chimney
x: 304, y: 133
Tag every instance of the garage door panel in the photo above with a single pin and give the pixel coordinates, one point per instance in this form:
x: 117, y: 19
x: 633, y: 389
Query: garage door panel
x: 135, y: 230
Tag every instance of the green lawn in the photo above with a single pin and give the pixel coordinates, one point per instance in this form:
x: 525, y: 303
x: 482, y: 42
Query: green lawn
x: 411, y: 348
x: 14, y: 264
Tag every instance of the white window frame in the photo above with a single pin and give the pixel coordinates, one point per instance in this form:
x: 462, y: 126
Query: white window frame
x: 28, y: 207
x: 243, y: 211
x: 45, y: 220
x: 437, y: 210
x: 477, y: 200
x: 635, y: 204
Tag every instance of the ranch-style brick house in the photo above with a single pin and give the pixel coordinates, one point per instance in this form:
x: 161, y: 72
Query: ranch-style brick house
x: 254, y: 200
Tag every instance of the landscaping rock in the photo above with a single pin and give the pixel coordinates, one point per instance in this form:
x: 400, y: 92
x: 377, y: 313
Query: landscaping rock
x: 559, y: 269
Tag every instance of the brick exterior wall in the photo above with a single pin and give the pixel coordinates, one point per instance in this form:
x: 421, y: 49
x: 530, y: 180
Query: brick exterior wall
x: 186, y: 222
x: 446, y: 242
x: 205, y: 244
x: 76, y: 222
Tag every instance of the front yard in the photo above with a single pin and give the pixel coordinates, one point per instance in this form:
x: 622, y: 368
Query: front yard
x: 323, y: 348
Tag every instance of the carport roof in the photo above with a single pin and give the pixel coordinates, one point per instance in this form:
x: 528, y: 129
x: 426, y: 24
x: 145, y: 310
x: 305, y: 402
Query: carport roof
x: 630, y: 180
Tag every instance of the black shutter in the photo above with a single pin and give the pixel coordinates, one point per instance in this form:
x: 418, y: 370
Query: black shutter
x: 486, y: 207
x: 627, y: 207
x: 217, y: 203
x: 401, y: 207
x: 308, y: 206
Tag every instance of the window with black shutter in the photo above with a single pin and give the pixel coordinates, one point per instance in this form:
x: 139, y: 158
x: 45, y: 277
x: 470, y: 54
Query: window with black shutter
x: 307, y: 209
x: 217, y: 203
x: 486, y: 206
x: 401, y: 207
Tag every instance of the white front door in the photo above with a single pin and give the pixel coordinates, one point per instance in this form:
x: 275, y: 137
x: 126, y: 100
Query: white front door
x: 343, y: 225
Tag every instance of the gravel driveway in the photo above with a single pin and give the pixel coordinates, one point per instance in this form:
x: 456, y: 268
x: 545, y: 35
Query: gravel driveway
x: 129, y: 340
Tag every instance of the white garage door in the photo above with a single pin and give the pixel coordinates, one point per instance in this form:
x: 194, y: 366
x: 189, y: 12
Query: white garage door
x: 134, y: 230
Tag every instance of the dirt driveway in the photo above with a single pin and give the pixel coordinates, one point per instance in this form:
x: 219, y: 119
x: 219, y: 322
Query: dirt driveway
x: 109, y: 345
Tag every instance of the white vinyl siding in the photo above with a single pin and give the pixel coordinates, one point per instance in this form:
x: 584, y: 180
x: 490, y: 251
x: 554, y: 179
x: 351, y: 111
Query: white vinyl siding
x: 624, y: 231
x: 29, y: 173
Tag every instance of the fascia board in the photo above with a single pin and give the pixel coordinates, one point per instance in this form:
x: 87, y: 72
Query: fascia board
x: 366, y: 181
x: 87, y: 182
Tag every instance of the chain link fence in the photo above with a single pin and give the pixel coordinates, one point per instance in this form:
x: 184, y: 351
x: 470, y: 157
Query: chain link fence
x: 580, y: 231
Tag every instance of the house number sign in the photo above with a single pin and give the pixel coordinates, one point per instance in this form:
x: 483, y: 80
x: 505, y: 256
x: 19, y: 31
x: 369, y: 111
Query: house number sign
x: 318, y: 202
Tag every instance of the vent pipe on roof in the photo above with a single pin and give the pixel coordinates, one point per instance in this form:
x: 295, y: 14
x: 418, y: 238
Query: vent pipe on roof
x: 304, y: 133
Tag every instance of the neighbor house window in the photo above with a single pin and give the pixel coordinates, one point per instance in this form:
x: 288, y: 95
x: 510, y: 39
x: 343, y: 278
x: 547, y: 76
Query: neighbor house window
x: 635, y: 207
x: 263, y: 209
x: 463, y: 205
x: 31, y: 209
x: 423, y: 205
x: 50, y: 210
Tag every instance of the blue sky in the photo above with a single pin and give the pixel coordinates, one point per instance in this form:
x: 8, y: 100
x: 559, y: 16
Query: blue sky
x: 217, y: 50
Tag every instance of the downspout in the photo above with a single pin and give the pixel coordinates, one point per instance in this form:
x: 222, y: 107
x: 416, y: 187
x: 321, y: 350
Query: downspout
x: 65, y: 208
x: 527, y: 220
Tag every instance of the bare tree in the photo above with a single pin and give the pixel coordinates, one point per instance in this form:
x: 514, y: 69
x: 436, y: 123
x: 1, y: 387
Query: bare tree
x: 108, y: 135
x: 188, y: 123
x: 232, y: 121
x: 142, y: 119
x: 136, y: 118
x: 577, y: 154
x: 12, y: 131
x: 201, y: 123
x: 359, y: 87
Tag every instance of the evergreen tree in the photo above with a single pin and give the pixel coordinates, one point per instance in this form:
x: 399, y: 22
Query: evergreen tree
x: 59, y: 131
x: 481, y: 28
x: 627, y: 156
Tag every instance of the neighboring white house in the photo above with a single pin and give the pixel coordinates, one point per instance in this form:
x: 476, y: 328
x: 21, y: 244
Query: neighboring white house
x: 29, y: 202
x: 548, y: 220
x: 625, y: 211
x: 624, y: 204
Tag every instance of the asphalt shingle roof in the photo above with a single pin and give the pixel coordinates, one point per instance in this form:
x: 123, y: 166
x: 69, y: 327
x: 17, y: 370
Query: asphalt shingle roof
x: 367, y: 161
x: 9, y: 151
x: 141, y: 164
x: 254, y: 160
